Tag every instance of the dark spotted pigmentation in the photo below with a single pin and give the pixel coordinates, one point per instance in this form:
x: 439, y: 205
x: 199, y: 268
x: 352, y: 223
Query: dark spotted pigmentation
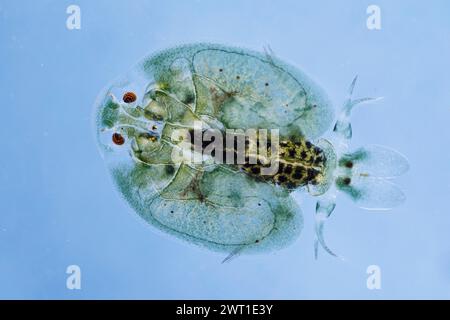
x: 300, y: 162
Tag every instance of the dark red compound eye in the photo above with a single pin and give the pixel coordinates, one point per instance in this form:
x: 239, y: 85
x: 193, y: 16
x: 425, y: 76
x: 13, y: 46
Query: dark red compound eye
x: 129, y: 97
x: 118, y: 139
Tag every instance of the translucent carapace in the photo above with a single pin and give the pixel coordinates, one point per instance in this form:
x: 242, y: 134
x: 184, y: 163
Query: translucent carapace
x: 180, y: 96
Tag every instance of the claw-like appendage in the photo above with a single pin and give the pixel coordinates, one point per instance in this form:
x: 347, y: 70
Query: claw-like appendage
x: 324, y: 208
x: 343, y: 128
x: 320, y: 238
x: 364, y: 174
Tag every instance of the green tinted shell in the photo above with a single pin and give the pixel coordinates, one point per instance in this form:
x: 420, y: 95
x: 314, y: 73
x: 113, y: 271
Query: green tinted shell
x: 223, y: 87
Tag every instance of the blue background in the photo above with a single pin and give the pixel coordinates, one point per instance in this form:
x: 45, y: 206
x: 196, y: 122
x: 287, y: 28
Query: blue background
x: 57, y: 203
